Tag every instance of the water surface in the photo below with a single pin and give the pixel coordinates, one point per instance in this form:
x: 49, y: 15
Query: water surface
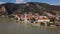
x: 10, y: 26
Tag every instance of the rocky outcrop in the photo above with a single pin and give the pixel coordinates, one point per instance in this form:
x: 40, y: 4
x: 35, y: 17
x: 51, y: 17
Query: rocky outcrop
x: 3, y: 10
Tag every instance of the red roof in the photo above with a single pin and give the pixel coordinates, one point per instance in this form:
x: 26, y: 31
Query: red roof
x: 29, y: 16
x: 21, y: 16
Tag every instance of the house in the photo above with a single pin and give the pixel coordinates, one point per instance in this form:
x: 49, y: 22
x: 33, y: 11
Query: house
x: 29, y: 17
x: 43, y: 19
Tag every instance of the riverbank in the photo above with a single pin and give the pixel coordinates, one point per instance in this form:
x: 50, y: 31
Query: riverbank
x: 8, y: 19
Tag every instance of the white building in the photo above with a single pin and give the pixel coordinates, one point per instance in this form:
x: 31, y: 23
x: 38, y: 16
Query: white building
x: 43, y: 19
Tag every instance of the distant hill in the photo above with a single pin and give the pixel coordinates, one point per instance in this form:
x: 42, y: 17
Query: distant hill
x: 33, y: 7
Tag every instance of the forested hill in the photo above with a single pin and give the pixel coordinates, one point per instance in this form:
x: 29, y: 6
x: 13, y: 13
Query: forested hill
x: 33, y: 7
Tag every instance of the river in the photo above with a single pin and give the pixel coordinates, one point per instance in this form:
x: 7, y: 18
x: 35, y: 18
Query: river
x: 10, y: 26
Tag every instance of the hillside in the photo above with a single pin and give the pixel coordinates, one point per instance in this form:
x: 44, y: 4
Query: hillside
x: 33, y: 7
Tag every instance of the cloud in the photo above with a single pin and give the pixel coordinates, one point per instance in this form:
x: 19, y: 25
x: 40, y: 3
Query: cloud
x: 2, y: 2
x: 20, y: 1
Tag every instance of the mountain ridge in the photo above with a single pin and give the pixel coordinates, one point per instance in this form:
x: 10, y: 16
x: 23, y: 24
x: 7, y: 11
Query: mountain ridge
x: 34, y: 7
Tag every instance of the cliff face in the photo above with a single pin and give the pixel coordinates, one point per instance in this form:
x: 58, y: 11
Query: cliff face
x: 2, y: 9
x: 33, y: 7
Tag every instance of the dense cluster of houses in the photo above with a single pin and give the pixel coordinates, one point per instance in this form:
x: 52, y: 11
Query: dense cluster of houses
x: 29, y: 18
x: 36, y: 18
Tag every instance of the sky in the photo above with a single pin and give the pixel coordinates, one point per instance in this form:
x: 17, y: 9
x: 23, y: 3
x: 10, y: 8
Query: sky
x: 52, y: 2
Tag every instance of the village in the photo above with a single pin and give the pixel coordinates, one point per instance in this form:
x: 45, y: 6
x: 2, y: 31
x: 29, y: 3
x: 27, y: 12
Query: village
x: 38, y: 20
